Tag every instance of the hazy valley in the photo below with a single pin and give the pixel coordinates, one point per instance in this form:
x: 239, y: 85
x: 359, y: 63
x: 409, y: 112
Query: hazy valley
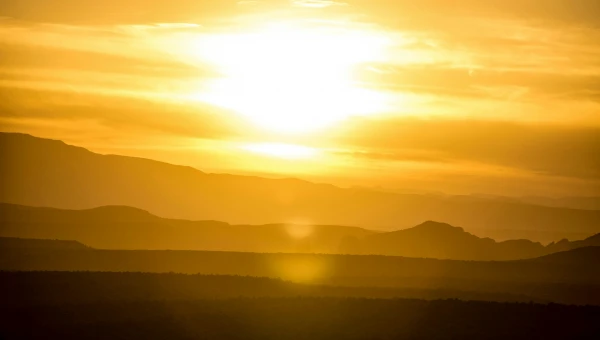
x: 112, y: 238
x: 49, y: 173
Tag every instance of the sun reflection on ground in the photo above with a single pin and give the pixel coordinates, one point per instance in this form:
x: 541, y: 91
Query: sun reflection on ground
x: 305, y: 268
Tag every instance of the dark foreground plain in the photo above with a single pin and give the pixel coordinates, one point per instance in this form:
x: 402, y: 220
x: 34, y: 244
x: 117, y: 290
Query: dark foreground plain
x: 566, y: 277
x: 17, y: 288
x: 302, y: 318
x: 62, y: 305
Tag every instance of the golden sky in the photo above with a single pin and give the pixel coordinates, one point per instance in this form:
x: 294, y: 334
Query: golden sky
x: 431, y: 95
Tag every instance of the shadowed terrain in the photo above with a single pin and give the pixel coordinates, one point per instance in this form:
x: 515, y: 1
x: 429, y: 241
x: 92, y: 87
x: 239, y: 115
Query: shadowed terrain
x: 42, y: 172
x: 14, y: 243
x: 115, y: 227
x: 567, y: 277
x: 95, y: 287
x: 297, y: 318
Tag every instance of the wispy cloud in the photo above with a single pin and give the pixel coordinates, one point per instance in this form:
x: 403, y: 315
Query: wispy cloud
x: 318, y: 3
x: 507, y: 144
x: 491, y: 86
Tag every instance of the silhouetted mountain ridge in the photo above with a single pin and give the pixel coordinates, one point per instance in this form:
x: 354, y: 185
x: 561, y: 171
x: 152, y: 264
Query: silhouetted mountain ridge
x: 568, y: 277
x: 564, y: 244
x: 119, y: 227
x: 436, y: 229
x: 444, y: 241
x: 121, y: 213
x: 584, y: 256
x: 42, y: 172
x: 12, y: 243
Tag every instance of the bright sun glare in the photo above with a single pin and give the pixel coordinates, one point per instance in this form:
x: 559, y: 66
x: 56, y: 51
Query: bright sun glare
x: 291, y: 79
x: 281, y: 150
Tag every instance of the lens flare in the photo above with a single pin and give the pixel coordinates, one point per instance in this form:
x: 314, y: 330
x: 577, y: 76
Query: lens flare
x: 299, y: 231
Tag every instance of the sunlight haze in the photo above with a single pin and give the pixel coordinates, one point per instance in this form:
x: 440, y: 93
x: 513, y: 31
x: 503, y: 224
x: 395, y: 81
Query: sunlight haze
x: 300, y: 169
x: 455, y: 99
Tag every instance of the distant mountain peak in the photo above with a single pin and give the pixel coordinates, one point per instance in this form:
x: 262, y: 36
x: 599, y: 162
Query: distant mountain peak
x: 13, y: 145
x: 16, y: 137
x: 437, y: 227
x: 121, y: 212
x: 593, y: 238
x: 50, y: 173
x: 121, y: 209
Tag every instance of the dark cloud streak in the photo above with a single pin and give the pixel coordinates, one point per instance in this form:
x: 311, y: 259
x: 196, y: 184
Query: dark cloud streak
x: 22, y: 57
x: 546, y: 149
x: 118, y: 113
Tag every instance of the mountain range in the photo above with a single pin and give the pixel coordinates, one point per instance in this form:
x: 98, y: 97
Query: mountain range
x: 43, y: 172
x: 117, y: 227
x: 565, y: 277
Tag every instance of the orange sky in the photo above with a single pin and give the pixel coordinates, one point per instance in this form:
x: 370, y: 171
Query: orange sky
x: 453, y: 96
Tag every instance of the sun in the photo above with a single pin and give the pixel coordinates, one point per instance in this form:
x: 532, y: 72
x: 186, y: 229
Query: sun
x: 292, y: 79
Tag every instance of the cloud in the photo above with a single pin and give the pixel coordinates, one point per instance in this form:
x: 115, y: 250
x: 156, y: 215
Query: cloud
x: 418, y: 156
x: 567, y: 11
x: 549, y: 150
x: 27, y: 57
x: 447, y: 80
x: 194, y: 11
x: 317, y: 3
x: 114, y: 12
x: 500, y: 84
x: 118, y: 114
